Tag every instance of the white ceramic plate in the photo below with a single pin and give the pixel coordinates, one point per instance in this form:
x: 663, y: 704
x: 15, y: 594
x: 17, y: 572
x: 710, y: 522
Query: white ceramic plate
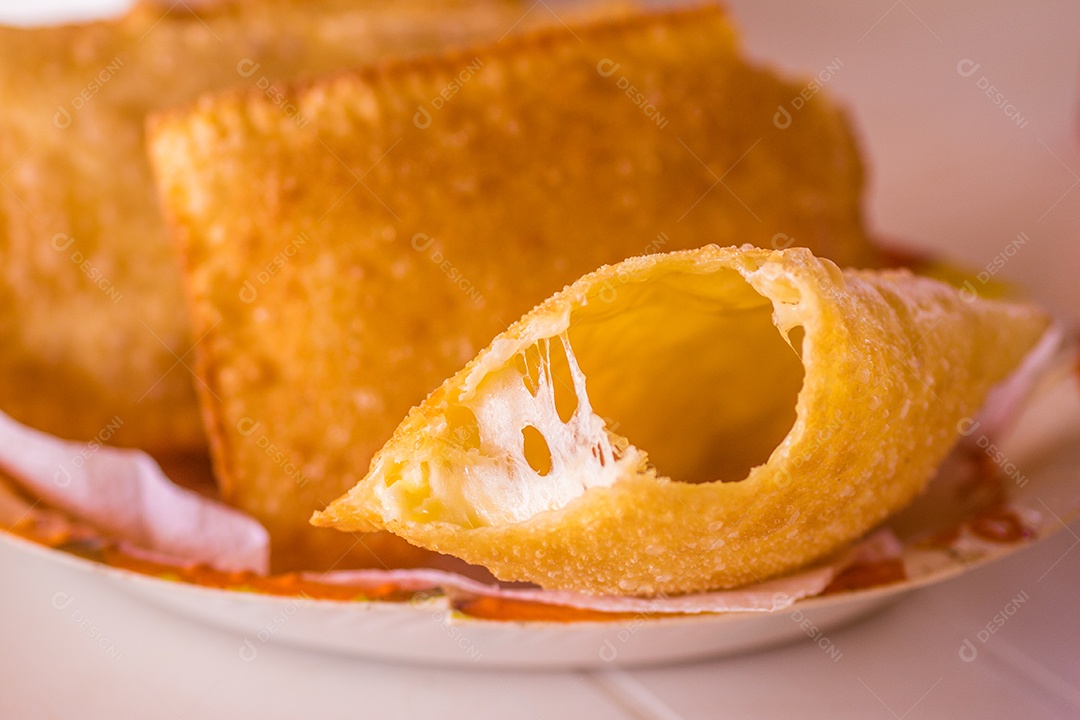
x: 427, y: 631
x: 1043, y: 451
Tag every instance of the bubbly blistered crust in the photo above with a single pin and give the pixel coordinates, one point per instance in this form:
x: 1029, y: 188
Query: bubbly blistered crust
x: 891, y: 363
x: 94, y: 337
x: 341, y: 269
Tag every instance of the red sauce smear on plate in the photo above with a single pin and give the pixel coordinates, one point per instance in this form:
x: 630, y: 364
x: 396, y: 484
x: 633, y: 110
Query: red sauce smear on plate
x: 860, y: 576
x: 282, y: 585
x: 51, y: 529
x: 489, y: 608
x: 1000, y: 525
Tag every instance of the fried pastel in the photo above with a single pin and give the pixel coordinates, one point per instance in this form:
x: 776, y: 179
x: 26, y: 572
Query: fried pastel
x: 94, y: 338
x: 341, y: 270
x: 691, y: 421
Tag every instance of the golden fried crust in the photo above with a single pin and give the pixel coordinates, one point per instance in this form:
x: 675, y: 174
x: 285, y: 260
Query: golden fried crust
x: 341, y: 270
x: 94, y: 339
x: 889, y: 363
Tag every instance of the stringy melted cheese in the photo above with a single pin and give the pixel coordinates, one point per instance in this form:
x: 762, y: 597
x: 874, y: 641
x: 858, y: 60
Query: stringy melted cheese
x: 489, y: 474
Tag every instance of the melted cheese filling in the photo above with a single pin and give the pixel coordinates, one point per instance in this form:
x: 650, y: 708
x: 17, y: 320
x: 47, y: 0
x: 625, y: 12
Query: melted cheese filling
x: 690, y: 367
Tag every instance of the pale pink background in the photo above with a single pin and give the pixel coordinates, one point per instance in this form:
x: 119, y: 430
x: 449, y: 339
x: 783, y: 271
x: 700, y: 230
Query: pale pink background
x: 949, y: 172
